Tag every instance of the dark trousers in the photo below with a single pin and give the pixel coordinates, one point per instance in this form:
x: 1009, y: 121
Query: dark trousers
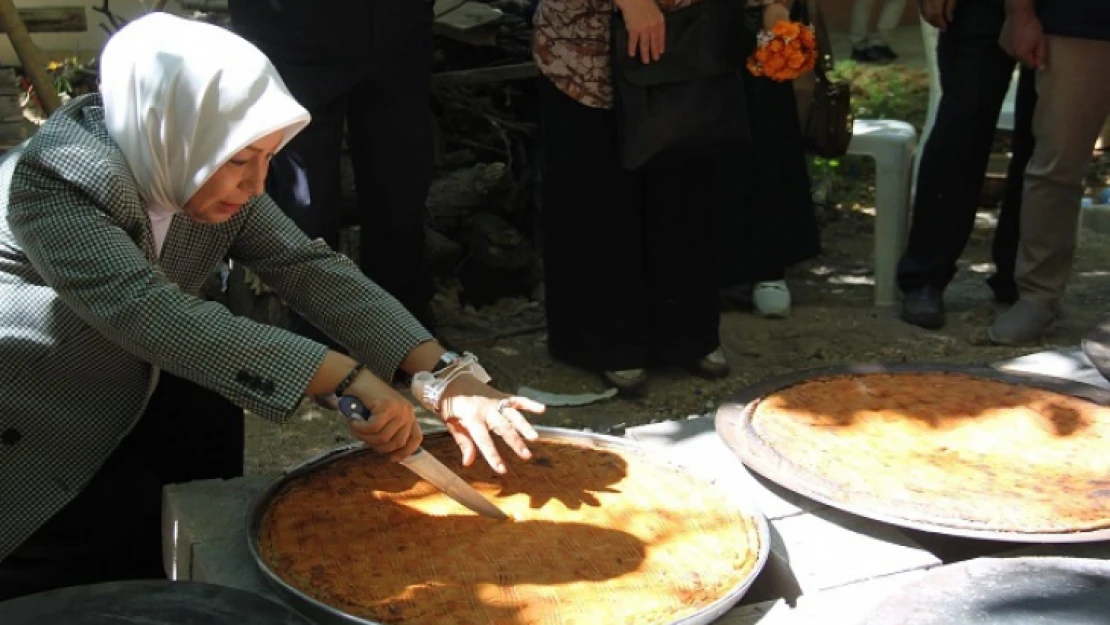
x: 112, y: 529
x: 627, y: 255
x: 389, y: 133
x: 975, y: 74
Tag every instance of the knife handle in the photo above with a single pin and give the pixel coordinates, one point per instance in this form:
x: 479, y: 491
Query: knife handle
x: 353, y: 408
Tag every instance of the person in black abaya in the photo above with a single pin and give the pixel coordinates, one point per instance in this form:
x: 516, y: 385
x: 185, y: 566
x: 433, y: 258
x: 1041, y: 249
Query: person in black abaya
x: 764, y: 203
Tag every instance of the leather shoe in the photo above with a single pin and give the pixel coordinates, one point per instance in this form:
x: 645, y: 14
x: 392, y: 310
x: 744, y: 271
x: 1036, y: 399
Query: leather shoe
x: 924, y: 307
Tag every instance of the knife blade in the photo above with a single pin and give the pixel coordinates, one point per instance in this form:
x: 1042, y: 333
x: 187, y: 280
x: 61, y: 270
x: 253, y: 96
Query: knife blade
x: 427, y: 466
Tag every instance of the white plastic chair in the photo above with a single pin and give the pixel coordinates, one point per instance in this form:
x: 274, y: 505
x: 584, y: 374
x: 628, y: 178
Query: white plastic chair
x: 892, y: 144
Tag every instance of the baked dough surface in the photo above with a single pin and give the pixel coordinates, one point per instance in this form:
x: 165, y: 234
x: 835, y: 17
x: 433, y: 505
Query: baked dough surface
x: 943, y: 448
x: 598, y: 536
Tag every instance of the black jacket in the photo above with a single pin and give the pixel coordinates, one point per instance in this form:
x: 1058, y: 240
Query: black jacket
x: 1079, y: 19
x: 321, y: 48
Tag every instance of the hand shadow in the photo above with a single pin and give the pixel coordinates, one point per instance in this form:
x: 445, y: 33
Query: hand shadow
x: 571, y: 476
x: 394, y: 563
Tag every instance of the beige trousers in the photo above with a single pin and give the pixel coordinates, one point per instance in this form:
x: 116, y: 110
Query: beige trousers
x: 1073, y: 101
x: 860, y: 33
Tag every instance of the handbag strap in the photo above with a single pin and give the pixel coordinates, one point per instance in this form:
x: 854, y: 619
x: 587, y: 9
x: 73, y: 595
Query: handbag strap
x: 808, y: 13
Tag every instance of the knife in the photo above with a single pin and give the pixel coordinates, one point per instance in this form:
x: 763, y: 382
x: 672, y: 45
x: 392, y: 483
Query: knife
x: 428, y: 467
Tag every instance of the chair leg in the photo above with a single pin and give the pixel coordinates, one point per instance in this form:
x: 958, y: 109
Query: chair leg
x: 892, y: 208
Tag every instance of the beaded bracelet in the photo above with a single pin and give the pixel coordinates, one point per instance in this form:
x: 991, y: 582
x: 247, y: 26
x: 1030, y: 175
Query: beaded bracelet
x: 347, y: 381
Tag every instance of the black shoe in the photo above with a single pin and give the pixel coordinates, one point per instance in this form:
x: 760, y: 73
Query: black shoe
x: 924, y: 307
x: 867, y: 55
x: 884, y: 53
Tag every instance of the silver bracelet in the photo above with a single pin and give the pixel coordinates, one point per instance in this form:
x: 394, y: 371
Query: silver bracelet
x: 428, y: 387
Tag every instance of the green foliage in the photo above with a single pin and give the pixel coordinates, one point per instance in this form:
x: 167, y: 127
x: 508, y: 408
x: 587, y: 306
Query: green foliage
x: 72, y: 76
x: 887, y: 91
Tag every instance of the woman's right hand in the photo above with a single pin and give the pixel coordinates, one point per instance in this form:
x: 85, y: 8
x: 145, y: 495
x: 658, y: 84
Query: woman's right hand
x: 392, y: 428
x: 646, y: 29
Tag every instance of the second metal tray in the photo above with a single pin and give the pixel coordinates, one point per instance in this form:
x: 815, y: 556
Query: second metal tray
x: 733, y: 425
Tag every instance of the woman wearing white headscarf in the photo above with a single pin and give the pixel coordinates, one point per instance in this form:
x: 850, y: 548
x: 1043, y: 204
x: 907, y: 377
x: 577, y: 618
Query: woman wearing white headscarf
x: 115, y: 377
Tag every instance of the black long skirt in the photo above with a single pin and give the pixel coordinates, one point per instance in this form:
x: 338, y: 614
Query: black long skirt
x: 627, y: 255
x: 764, y: 202
x: 112, y: 529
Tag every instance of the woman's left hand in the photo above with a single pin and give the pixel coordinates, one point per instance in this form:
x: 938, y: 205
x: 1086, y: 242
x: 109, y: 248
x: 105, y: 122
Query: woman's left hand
x: 774, y: 13
x: 472, y: 410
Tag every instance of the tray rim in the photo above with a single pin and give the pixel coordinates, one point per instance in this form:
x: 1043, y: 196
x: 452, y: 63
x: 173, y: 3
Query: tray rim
x: 318, y: 610
x: 732, y: 418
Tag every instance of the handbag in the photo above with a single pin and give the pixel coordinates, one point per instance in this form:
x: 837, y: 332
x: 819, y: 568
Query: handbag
x: 690, y: 103
x: 824, y: 104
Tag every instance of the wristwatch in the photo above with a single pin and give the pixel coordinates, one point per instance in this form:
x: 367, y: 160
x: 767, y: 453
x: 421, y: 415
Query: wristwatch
x: 446, y: 360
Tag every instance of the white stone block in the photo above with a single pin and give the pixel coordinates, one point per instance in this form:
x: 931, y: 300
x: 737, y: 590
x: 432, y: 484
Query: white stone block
x: 204, y: 511
x: 227, y: 562
x: 830, y: 548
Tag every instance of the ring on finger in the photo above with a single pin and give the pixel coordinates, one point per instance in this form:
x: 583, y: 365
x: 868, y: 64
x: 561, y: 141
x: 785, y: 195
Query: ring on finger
x: 497, y: 422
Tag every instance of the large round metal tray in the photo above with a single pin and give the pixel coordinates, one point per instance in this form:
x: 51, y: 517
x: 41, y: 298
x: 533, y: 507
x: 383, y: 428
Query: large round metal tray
x: 1003, y: 591
x: 733, y: 420
x: 147, y: 602
x: 326, y: 614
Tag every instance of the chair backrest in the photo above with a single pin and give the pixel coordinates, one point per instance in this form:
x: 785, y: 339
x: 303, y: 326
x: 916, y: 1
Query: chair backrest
x: 929, y: 36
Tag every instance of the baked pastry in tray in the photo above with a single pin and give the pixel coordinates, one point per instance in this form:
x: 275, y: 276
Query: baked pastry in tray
x: 598, y: 535
x: 946, y: 449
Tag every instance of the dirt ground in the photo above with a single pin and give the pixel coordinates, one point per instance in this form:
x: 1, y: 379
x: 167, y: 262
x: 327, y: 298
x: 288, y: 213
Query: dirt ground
x: 833, y: 322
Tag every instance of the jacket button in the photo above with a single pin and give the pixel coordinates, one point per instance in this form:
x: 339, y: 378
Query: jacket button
x: 10, y: 436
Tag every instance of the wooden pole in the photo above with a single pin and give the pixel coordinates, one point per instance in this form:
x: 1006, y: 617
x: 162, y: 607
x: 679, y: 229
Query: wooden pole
x: 34, y: 64
x: 159, y: 5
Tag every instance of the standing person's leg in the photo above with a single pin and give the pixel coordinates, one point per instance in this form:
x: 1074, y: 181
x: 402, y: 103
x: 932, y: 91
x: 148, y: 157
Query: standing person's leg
x: 765, y: 218
x: 860, y: 25
x: 682, y: 281
x: 975, y: 73
x: 859, y: 31
x: 889, y: 19
x: 390, y: 136
x: 1005, y: 243
x: 304, y: 178
x: 305, y: 182
x: 591, y: 221
x: 1073, y: 100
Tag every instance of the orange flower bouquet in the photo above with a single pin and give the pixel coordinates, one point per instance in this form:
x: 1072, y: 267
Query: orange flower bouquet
x: 785, y: 52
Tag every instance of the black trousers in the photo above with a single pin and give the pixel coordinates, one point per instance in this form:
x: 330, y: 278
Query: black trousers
x: 975, y: 74
x: 628, y: 256
x: 389, y: 132
x: 112, y: 529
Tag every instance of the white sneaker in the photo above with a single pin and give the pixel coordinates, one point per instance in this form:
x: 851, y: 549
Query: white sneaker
x: 771, y: 299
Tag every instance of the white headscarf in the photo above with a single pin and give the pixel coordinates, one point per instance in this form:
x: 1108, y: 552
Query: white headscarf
x: 182, y: 97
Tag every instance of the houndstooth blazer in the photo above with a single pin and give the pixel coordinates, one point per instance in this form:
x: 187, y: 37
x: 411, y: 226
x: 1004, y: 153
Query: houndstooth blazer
x: 89, y: 314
